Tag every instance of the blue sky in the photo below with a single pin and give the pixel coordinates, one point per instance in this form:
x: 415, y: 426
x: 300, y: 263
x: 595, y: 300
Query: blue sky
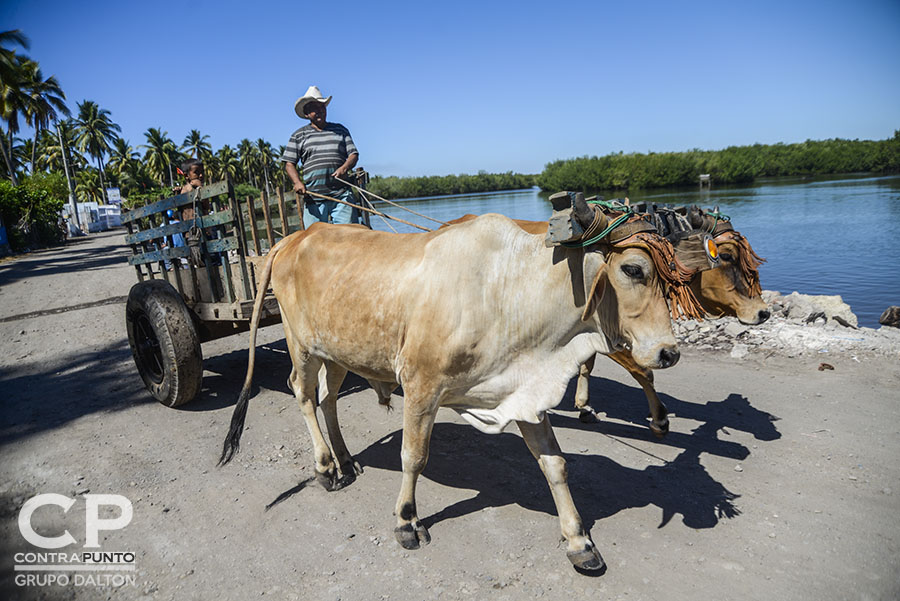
x: 455, y: 87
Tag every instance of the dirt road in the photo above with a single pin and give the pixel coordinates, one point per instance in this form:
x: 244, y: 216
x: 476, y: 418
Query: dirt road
x: 777, y: 481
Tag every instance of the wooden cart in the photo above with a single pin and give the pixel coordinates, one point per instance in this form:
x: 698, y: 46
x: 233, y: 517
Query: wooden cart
x: 179, y: 303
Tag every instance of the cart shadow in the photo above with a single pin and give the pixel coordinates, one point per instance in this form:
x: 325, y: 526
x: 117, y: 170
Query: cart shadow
x: 60, y: 259
x: 224, y: 377
x: 42, y: 395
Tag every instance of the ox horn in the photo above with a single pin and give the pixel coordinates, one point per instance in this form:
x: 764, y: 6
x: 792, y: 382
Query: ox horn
x: 572, y: 216
x: 701, y: 220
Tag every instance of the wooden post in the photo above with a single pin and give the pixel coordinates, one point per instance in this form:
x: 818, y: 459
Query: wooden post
x: 251, y: 210
x: 238, y: 231
x: 269, y: 233
x: 282, y: 213
x: 298, y: 200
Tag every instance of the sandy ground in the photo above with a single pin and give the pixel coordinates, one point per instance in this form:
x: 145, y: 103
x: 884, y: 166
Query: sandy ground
x: 777, y: 481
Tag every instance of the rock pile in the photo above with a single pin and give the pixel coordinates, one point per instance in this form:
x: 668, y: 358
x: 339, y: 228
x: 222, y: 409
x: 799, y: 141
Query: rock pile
x: 800, y: 325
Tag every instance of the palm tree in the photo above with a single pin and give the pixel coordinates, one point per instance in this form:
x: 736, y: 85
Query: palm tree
x: 121, y: 154
x: 247, y: 154
x: 285, y: 181
x: 89, y: 187
x: 12, y: 37
x: 134, y: 177
x: 95, y: 131
x: 47, y: 100
x: 50, y: 152
x: 39, y: 99
x: 266, y: 158
x: 47, y: 158
x: 16, y: 152
x: 197, y: 144
x: 159, y: 154
x: 14, y: 101
x: 227, y: 162
x: 11, y: 103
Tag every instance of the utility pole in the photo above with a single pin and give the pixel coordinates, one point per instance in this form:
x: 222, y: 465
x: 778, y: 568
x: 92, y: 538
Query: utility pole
x: 72, y: 202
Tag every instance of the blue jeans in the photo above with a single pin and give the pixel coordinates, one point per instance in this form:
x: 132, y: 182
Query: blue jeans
x: 329, y: 211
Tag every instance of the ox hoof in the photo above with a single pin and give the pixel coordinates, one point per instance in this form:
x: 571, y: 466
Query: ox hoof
x: 586, y: 415
x: 586, y: 559
x: 351, y: 467
x: 660, y: 430
x: 412, y: 535
x: 331, y: 482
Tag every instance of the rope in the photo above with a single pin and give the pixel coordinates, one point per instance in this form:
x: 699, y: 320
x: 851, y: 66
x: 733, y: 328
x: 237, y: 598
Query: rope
x: 616, y: 223
x: 386, y: 222
x: 373, y: 211
x: 584, y: 243
x: 393, y: 204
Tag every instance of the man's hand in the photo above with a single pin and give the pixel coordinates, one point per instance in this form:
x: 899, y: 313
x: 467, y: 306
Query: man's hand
x: 299, y: 188
x: 347, y: 166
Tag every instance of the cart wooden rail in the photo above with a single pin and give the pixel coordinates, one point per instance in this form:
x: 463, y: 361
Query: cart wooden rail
x: 180, y: 300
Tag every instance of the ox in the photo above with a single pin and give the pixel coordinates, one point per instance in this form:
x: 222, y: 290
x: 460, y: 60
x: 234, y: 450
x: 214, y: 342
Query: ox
x: 481, y: 317
x: 731, y: 289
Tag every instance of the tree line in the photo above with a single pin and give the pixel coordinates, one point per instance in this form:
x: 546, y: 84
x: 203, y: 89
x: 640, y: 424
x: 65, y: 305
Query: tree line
x: 735, y: 164
x: 413, y: 187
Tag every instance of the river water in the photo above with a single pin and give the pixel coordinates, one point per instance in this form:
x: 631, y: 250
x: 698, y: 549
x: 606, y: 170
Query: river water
x: 819, y: 235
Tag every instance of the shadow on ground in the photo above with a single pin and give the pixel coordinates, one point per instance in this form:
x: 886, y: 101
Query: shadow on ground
x: 76, y: 255
x: 502, y: 471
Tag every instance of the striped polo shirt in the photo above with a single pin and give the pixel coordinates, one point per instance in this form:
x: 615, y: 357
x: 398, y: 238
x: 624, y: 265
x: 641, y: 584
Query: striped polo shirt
x: 320, y: 153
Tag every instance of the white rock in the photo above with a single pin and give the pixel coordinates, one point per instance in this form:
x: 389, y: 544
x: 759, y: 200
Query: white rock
x: 739, y: 351
x: 735, y: 329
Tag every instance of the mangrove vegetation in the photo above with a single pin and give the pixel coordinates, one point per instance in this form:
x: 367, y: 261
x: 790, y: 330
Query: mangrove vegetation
x: 412, y: 187
x: 733, y: 165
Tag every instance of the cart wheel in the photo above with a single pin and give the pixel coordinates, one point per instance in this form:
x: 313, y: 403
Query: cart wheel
x: 164, y: 342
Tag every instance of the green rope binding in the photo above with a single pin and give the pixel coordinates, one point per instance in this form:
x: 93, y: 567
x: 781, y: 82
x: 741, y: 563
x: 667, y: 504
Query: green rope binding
x: 585, y: 243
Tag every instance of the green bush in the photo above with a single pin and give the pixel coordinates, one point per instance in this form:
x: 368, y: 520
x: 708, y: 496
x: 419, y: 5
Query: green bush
x: 30, y: 210
x: 242, y: 191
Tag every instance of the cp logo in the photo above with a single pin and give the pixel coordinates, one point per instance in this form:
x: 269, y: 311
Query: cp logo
x: 93, y: 522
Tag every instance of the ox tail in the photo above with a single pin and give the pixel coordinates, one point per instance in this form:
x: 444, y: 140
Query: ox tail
x: 233, y: 439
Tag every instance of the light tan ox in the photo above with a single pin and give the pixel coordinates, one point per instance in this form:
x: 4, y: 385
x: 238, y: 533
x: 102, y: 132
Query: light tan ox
x: 730, y: 289
x: 481, y: 318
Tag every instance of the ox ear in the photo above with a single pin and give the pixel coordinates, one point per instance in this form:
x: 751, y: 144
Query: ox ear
x: 596, y: 293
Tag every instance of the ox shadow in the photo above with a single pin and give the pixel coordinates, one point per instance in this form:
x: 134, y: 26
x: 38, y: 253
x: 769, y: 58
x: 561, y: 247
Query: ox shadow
x: 629, y: 404
x: 502, y: 472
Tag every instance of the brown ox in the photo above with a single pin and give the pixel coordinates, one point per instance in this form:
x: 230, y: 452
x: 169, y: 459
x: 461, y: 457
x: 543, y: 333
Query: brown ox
x: 730, y: 289
x: 482, y: 318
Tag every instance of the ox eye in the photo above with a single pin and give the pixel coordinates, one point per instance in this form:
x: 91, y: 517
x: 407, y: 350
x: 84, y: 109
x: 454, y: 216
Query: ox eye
x: 726, y: 257
x: 633, y: 271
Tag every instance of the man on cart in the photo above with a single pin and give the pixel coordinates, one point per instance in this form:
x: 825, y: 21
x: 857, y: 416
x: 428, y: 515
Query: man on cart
x: 325, y: 152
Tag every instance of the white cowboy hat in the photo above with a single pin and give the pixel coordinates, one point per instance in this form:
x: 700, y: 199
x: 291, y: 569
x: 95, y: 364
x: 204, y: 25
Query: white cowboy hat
x: 312, y: 93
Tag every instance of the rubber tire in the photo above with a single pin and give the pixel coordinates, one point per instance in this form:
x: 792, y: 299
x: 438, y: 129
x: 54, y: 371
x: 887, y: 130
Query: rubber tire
x: 164, y: 342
